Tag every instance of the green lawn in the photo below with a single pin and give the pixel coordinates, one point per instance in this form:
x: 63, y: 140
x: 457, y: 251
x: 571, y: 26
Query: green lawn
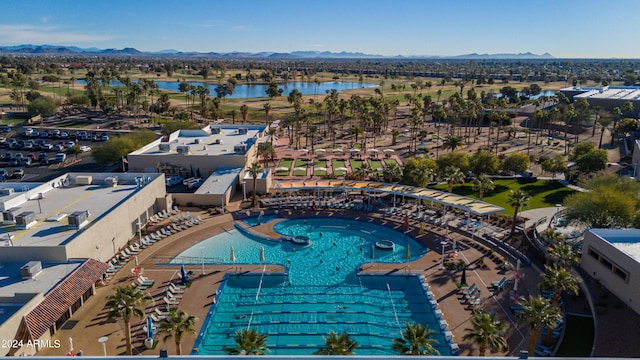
x: 578, y: 337
x: 390, y: 162
x: 286, y: 162
x: 319, y: 163
x: 338, y: 163
x: 301, y: 163
x: 375, y: 164
x: 544, y: 193
x: 355, y: 164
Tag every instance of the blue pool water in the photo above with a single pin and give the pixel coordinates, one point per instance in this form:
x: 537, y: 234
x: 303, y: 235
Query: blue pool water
x: 320, y: 293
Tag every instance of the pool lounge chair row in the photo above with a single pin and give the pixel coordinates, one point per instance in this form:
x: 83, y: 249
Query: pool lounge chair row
x: 500, y: 284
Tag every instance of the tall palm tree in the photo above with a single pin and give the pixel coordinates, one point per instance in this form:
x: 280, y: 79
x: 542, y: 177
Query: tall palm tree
x: 452, y: 142
x: 559, y: 280
x: 176, y: 325
x: 604, y: 124
x: 336, y: 344
x: 517, y: 199
x: 416, y: 340
x: 481, y: 184
x: 248, y: 342
x: 452, y: 175
x: 562, y: 254
x: 486, y: 332
x: 254, y: 170
x: 267, y: 108
x: 126, y: 303
x: 538, y: 312
x: 244, y: 111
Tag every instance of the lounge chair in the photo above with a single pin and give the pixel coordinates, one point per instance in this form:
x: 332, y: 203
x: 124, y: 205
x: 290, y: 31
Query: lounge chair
x: 156, y: 318
x: 137, y: 285
x: 175, y: 288
x: 160, y: 313
x: 172, y: 295
x: 467, y: 287
x: 171, y: 301
x: 145, y: 282
x: 499, y: 284
x: 129, y: 252
x: 124, y: 255
x: 155, y: 237
x: 472, y: 294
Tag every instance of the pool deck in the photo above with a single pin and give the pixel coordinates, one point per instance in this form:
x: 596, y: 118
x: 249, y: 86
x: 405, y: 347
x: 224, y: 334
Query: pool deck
x: 89, y: 323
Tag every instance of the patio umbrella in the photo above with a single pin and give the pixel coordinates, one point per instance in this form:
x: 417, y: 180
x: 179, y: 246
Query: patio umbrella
x: 261, y: 254
x: 372, y: 150
x: 183, y: 275
x: 150, y: 331
x: 232, y: 256
x: 288, y: 149
x: 299, y: 169
x: 321, y: 150
x: 303, y: 150
x: 388, y: 150
x: 282, y: 168
x: 518, y: 264
x: 135, y: 261
x: 342, y: 168
x: 70, y: 345
x: 337, y: 150
x: 321, y: 168
x: 354, y: 150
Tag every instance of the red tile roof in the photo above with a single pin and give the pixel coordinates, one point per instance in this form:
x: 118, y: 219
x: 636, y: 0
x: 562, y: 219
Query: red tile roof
x: 60, y: 298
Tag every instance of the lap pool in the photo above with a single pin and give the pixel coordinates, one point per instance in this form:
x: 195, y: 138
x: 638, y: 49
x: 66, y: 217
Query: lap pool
x: 320, y: 292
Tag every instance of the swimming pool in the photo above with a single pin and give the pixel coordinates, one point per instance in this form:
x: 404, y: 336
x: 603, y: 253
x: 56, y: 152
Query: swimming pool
x: 321, y: 291
x: 262, y: 219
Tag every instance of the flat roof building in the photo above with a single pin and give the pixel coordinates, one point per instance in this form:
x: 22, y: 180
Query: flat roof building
x: 607, y: 97
x: 612, y: 256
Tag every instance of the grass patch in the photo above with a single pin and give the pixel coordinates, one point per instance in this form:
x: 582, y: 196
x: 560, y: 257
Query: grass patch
x: 390, y: 162
x: 284, y: 163
x: 578, y: 337
x: 301, y: 163
x: 375, y: 164
x: 356, y: 164
x: 319, y: 163
x: 544, y: 193
x: 338, y: 163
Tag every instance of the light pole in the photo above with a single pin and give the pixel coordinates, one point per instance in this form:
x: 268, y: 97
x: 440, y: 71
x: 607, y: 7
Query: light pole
x: 103, y: 341
x: 442, y: 245
x: 202, y: 257
x: 244, y: 191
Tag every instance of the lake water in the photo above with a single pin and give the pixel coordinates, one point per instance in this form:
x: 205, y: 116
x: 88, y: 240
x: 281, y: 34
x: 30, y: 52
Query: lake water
x: 245, y: 91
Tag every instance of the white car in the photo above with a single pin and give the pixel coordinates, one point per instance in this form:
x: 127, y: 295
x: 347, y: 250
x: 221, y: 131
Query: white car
x: 171, y: 181
x: 85, y: 148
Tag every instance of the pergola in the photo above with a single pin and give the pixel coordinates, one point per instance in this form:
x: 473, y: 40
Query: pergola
x: 468, y: 205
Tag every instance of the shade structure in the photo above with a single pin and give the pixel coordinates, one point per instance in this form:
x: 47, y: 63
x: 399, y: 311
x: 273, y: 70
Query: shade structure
x: 388, y: 150
x: 261, y: 254
x: 354, y: 150
x: 518, y: 264
x: 320, y: 150
x: 320, y: 168
x: 288, y: 149
x: 300, y: 169
x: 303, y: 150
x: 372, y: 150
x: 337, y: 150
x: 282, y: 168
x: 341, y: 169
x: 232, y: 256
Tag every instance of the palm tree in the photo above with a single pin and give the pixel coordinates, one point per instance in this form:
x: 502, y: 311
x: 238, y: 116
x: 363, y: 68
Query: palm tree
x: 604, y: 124
x: 558, y: 279
x: 177, y: 324
x: 563, y: 254
x: 452, y: 142
x: 125, y: 303
x: 248, y: 342
x: 416, y: 340
x: 538, y: 312
x: 254, y: 170
x: 452, y: 175
x: 481, y: 184
x: 486, y: 332
x: 517, y: 199
x: 336, y: 344
x: 267, y: 108
x: 244, y: 111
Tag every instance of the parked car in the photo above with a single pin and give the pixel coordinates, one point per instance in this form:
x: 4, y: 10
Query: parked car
x: 85, y: 148
x: 17, y: 174
x: 60, y: 157
x: 4, y: 174
x: 25, y: 161
x: 171, y: 181
x: 47, y: 147
x: 64, y: 135
x: 196, y: 183
x: 104, y: 137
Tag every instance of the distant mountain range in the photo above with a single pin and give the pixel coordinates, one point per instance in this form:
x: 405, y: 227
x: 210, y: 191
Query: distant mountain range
x: 54, y: 50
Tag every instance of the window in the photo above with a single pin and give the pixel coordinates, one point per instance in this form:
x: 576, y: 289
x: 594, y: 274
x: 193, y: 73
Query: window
x: 606, y: 263
x: 621, y: 273
x: 593, y: 254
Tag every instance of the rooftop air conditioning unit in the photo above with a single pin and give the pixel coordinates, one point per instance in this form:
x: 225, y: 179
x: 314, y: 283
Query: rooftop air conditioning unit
x: 111, y: 181
x: 196, y: 141
x: 84, y: 180
x: 240, y: 148
x: 25, y: 220
x: 215, y: 130
x: 8, y: 217
x: 243, y: 131
x: 164, y: 147
x: 6, y: 191
x: 78, y: 219
x: 30, y: 269
x: 183, y: 149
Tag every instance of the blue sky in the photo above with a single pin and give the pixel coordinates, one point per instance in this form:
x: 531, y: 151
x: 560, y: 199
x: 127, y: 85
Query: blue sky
x: 564, y: 28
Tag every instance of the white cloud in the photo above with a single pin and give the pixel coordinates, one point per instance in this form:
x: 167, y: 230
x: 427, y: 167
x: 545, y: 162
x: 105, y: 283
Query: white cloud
x: 25, y: 34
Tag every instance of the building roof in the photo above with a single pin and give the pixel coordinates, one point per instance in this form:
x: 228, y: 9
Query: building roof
x: 52, y: 209
x: 473, y: 206
x: 220, y: 181
x: 625, y: 240
x: 60, y: 298
x: 12, y: 283
x: 213, y: 140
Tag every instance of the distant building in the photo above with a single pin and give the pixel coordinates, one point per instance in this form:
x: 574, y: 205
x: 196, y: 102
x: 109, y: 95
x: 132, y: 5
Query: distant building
x: 612, y: 256
x: 606, y: 97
